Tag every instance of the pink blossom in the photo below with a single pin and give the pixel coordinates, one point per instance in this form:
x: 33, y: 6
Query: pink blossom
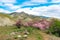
x: 43, y: 24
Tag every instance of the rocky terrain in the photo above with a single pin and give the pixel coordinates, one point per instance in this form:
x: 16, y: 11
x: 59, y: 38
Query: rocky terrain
x: 5, y: 20
x: 9, y: 19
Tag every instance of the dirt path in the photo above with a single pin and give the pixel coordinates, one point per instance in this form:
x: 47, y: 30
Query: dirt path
x: 49, y: 37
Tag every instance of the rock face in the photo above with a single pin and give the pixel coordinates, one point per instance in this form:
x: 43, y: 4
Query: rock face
x: 4, y: 21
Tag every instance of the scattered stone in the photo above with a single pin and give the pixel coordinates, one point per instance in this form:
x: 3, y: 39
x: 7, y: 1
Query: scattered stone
x: 13, y: 33
x: 25, y: 36
x: 19, y: 36
x: 26, y: 32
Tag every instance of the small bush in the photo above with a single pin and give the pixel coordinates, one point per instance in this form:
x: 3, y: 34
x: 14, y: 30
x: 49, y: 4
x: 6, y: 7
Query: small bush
x: 29, y: 29
x: 55, y: 28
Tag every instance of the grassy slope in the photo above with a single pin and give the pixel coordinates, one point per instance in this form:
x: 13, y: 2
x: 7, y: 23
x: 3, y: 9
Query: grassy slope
x: 6, y: 15
x: 5, y: 33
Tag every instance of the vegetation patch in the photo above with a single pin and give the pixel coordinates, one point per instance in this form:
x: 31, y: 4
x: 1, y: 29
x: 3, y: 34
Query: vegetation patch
x: 24, y: 33
x: 55, y: 28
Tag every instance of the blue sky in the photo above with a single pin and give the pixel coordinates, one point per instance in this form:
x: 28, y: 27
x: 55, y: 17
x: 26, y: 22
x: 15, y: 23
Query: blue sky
x: 49, y: 8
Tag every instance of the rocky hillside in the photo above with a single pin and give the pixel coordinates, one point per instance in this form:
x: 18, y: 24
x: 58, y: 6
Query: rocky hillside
x: 5, y: 19
x: 10, y: 19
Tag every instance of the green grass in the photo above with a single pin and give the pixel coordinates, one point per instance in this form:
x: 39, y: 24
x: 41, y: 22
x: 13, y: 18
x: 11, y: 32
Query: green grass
x: 6, y: 15
x: 34, y: 32
x: 8, y: 29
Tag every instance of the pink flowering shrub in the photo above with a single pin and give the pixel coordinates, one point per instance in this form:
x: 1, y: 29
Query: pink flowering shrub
x: 43, y: 24
x: 39, y: 25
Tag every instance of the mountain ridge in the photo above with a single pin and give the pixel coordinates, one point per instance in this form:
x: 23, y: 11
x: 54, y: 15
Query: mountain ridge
x: 7, y: 19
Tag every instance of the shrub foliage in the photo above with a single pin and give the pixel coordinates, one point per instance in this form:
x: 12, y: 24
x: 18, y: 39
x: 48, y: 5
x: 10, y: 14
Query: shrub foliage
x: 55, y: 28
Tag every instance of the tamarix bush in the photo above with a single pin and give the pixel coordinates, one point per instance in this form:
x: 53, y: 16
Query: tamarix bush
x: 42, y: 24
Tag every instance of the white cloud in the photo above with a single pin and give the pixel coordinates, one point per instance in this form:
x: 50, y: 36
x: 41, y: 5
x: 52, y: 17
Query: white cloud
x: 8, y: 1
x: 11, y: 6
x: 27, y: 10
x: 40, y: 1
x: 34, y: 2
x: 5, y: 11
x: 51, y: 11
x: 37, y: 2
x: 29, y: 4
x: 55, y: 1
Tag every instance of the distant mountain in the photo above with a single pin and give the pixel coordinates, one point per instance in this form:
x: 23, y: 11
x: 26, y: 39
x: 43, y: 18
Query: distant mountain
x: 44, y: 17
x: 23, y: 14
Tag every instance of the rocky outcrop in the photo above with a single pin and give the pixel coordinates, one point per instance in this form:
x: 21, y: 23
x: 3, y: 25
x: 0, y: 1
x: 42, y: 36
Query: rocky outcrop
x: 6, y: 21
